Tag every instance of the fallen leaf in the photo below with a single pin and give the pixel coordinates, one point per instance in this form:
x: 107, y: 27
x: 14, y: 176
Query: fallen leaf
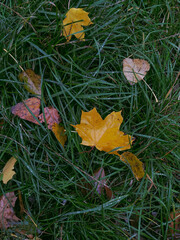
x: 7, y: 215
x: 1, y: 124
x: 175, y: 222
x: 103, y: 134
x: 59, y: 132
x: 135, y: 164
x: 135, y: 69
x: 75, y: 19
x: 97, y: 182
x: 32, y: 81
x: 23, y: 109
x: 8, y: 172
x: 51, y: 115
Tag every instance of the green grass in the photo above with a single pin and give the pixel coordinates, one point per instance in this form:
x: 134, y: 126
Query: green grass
x: 79, y: 76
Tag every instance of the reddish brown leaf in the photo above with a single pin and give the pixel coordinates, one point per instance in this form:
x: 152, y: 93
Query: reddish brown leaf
x: 21, y: 109
x: 98, y: 182
x: 175, y: 222
x: 7, y: 215
x: 1, y: 124
x: 51, y: 115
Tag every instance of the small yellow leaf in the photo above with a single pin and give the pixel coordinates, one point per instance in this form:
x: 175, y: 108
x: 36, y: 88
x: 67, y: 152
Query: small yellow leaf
x: 32, y: 81
x: 59, y: 132
x: 135, y: 69
x: 8, y: 172
x: 75, y: 19
x: 135, y: 164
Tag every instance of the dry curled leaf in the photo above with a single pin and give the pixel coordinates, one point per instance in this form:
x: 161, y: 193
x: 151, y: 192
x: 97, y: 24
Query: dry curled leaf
x: 7, y: 215
x: 8, y: 172
x: 59, y: 132
x: 32, y: 81
x: 135, y: 69
x: 24, y: 109
x: 75, y: 19
x: 103, y: 134
x: 51, y: 115
x: 175, y: 222
x: 98, y: 183
x: 135, y: 164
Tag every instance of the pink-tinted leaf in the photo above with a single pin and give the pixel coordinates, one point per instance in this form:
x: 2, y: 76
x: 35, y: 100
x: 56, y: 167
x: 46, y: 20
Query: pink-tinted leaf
x: 51, y: 115
x: 7, y: 215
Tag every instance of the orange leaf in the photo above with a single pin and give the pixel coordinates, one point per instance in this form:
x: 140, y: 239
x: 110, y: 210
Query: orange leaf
x: 59, y: 132
x: 75, y: 19
x: 23, y: 109
x: 104, y: 134
x: 51, y: 115
x: 135, y: 164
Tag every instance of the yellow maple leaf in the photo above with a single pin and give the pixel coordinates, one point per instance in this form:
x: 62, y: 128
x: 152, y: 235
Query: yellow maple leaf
x: 8, y: 172
x: 103, y: 134
x: 59, y: 132
x: 75, y: 19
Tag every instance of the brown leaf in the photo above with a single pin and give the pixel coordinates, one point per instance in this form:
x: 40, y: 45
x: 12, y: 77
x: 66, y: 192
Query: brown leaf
x: 21, y: 109
x: 7, y: 215
x: 175, y: 222
x: 32, y: 81
x: 98, y: 182
x: 1, y: 124
x: 51, y: 115
x: 135, y: 69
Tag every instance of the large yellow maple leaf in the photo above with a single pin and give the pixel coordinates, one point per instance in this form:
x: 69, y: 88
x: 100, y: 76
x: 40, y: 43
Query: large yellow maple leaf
x: 75, y: 19
x: 103, y: 134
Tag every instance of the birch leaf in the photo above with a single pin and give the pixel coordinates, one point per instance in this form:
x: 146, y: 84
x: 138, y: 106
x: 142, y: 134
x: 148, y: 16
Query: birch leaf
x: 8, y: 172
x: 75, y: 19
x: 135, y: 69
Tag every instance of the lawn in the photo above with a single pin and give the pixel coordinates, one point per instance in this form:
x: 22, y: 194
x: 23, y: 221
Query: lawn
x: 78, y: 76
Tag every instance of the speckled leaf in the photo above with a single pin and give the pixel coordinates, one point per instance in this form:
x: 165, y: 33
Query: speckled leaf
x: 32, y: 81
x: 21, y: 109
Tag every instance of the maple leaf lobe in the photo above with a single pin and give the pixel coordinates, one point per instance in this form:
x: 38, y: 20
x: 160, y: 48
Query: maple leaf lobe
x: 75, y: 19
